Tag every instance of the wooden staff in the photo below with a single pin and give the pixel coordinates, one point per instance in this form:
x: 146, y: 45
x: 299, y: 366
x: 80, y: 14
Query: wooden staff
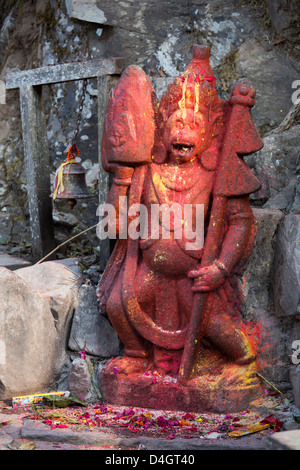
x: 242, y: 96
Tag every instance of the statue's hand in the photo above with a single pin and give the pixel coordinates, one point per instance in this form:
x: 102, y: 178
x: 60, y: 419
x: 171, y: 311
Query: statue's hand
x: 208, y: 278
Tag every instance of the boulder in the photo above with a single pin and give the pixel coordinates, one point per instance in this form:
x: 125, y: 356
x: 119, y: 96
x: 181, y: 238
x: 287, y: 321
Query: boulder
x: 90, y: 330
x: 37, y: 304
x: 86, y: 10
x: 66, y: 220
x: 58, y: 282
x: 79, y: 378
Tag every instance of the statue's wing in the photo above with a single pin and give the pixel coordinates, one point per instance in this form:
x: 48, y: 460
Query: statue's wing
x: 128, y: 133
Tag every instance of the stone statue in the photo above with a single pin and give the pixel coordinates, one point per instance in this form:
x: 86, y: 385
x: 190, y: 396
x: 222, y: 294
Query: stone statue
x: 173, y: 300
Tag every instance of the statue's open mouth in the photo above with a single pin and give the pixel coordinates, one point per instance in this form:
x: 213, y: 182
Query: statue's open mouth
x: 183, y: 150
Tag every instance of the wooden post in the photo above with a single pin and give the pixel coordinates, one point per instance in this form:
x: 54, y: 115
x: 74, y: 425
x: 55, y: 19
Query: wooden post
x: 105, y: 85
x: 36, y: 156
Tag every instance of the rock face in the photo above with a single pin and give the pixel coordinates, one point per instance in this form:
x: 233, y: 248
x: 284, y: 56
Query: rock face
x: 258, y: 308
x: 284, y: 16
x: 287, y: 268
x: 276, y: 166
x: 269, y: 70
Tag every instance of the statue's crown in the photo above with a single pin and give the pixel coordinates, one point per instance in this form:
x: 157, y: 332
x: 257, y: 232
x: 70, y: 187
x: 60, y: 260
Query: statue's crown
x: 195, y: 87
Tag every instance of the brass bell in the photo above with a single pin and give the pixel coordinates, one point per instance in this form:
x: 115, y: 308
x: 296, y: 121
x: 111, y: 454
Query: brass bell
x: 70, y: 181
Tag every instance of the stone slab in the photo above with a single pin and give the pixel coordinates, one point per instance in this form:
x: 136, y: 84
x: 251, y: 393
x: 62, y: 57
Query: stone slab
x: 12, y: 262
x: 287, y: 440
x: 39, y: 431
x: 85, y: 10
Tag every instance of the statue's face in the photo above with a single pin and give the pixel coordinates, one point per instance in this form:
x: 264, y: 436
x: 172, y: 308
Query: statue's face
x: 186, y: 138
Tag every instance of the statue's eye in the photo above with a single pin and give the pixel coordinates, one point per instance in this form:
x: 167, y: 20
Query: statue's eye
x: 179, y: 123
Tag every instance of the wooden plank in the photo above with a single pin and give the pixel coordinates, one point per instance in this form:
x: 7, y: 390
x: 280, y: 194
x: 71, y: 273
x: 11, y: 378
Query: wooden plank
x: 65, y: 72
x: 36, y: 156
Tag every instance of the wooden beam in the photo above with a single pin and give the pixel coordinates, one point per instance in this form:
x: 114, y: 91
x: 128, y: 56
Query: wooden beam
x: 65, y: 72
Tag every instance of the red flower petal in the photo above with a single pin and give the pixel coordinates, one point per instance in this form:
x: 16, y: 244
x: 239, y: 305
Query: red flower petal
x: 209, y: 79
x: 188, y: 416
x: 276, y: 423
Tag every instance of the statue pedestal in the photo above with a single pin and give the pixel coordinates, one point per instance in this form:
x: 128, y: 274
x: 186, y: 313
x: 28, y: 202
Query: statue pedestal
x: 231, y: 391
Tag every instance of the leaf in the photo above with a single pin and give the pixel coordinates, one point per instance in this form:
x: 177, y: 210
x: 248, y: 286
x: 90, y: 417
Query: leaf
x: 297, y: 419
x: 21, y: 444
x: 273, y: 386
x: 62, y: 402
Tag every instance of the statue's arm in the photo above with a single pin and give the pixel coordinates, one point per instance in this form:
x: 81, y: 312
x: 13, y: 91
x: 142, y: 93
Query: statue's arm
x: 240, y: 220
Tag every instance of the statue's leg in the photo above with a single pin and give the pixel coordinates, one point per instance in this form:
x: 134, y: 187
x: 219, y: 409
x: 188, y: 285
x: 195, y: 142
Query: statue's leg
x: 223, y: 333
x: 218, y: 326
x: 136, y: 351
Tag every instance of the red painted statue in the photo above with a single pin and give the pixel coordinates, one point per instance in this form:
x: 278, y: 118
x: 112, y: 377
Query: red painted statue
x: 173, y: 300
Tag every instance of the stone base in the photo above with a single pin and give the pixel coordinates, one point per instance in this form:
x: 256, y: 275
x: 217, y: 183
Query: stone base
x: 231, y: 391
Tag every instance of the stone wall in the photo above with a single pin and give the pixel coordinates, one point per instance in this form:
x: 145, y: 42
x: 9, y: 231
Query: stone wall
x: 259, y: 40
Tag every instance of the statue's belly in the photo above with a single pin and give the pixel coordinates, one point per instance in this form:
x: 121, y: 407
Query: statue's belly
x: 165, y: 256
